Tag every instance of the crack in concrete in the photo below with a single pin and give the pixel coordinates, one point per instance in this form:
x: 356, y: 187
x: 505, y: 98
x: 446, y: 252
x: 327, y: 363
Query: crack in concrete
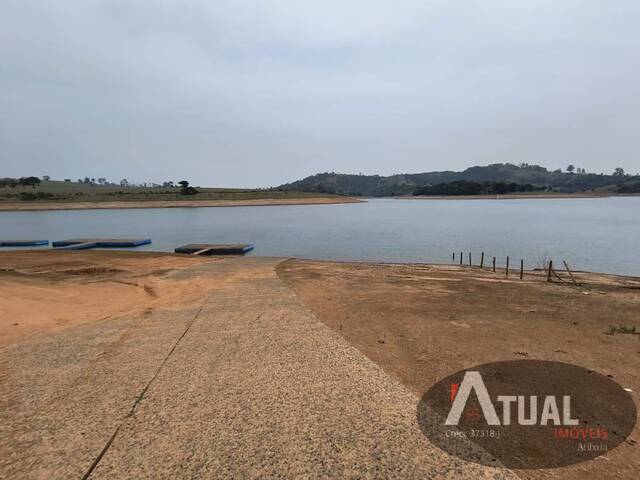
x: 139, y: 399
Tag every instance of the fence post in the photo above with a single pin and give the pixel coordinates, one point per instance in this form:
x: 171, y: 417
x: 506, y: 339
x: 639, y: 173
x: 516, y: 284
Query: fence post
x: 507, y: 270
x: 566, y: 265
x: 482, y: 260
x: 453, y: 259
x: 460, y: 258
x: 550, y: 270
x: 521, y: 268
x: 469, y: 258
x: 494, y: 264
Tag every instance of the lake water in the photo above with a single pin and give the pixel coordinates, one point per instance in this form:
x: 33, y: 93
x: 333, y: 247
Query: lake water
x: 599, y: 234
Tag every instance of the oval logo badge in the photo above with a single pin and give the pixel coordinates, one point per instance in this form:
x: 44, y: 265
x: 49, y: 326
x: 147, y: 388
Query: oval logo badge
x: 527, y: 414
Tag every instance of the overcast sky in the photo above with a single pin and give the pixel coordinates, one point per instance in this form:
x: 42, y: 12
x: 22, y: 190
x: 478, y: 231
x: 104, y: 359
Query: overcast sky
x: 256, y: 93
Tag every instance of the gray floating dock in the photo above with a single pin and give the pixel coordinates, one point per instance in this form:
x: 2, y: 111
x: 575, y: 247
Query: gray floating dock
x: 83, y: 243
x: 215, y: 248
x: 23, y: 243
x: 78, y: 246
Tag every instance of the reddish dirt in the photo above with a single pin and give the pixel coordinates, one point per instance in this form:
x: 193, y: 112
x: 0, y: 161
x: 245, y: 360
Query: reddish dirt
x: 47, y: 290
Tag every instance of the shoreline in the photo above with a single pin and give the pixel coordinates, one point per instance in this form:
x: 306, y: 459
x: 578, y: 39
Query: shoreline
x: 137, y: 204
x: 512, y: 196
x: 36, y: 278
x: 25, y: 206
x: 444, y: 266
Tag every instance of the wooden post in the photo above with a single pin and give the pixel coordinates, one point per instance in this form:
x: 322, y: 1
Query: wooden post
x: 550, y: 270
x: 482, y: 260
x: 521, y: 268
x: 507, y: 270
x: 453, y: 259
x: 460, y: 258
x: 469, y: 258
x: 494, y: 264
x: 570, y: 273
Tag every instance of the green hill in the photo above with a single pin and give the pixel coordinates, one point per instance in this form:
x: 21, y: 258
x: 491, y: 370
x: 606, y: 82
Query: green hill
x: 405, y: 184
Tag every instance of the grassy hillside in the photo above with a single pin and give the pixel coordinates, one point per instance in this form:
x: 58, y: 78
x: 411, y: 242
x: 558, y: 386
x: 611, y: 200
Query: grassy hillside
x: 404, y: 184
x: 52, y: 190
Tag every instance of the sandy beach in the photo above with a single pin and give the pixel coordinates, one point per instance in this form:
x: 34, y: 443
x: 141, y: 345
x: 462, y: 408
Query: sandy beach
x: 28, y: 206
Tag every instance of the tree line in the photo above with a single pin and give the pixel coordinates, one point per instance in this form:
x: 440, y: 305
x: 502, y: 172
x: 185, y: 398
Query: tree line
x: 465, y: 187
x: 183, y: 186
x: 22, y: 182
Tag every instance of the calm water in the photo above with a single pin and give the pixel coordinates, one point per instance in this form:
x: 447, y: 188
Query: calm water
x: 591, y: 234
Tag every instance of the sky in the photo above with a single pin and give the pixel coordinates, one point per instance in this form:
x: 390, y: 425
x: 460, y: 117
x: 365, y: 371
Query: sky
x: 251, y: 93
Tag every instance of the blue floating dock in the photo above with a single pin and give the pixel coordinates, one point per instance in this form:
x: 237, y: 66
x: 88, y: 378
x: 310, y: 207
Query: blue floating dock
x: 215, y: 248
x: 84, y: 243
x: 23, y: 243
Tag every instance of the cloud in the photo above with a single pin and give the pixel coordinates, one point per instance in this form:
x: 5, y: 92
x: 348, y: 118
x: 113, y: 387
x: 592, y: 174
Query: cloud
x: 250, y: 93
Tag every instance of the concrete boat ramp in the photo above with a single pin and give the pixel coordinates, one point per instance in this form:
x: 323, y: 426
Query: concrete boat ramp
x: 246, y: 383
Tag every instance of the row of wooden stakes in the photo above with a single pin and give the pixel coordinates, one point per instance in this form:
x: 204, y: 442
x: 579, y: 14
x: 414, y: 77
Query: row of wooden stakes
x: 493, y: 263
x: 548, y: 268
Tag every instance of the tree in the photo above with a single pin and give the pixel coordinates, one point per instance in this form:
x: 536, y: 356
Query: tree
x: 11, y: 182
x: 571, y: 168
x: 618, y: 172
x: 33, y: 181
x: 102, y: 181
x: 185, y: 189
x: 46, y: 178
x: 67, y: 180
x: 124, y: 182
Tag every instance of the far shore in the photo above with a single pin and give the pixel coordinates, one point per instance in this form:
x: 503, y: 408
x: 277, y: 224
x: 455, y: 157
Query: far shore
x: 516, y: 196
x: 263, y: 202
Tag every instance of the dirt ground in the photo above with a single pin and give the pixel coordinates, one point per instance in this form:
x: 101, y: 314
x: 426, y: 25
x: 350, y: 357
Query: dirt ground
x: 19, y: 206
x: 421, y: 323
x: 47, y: 291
